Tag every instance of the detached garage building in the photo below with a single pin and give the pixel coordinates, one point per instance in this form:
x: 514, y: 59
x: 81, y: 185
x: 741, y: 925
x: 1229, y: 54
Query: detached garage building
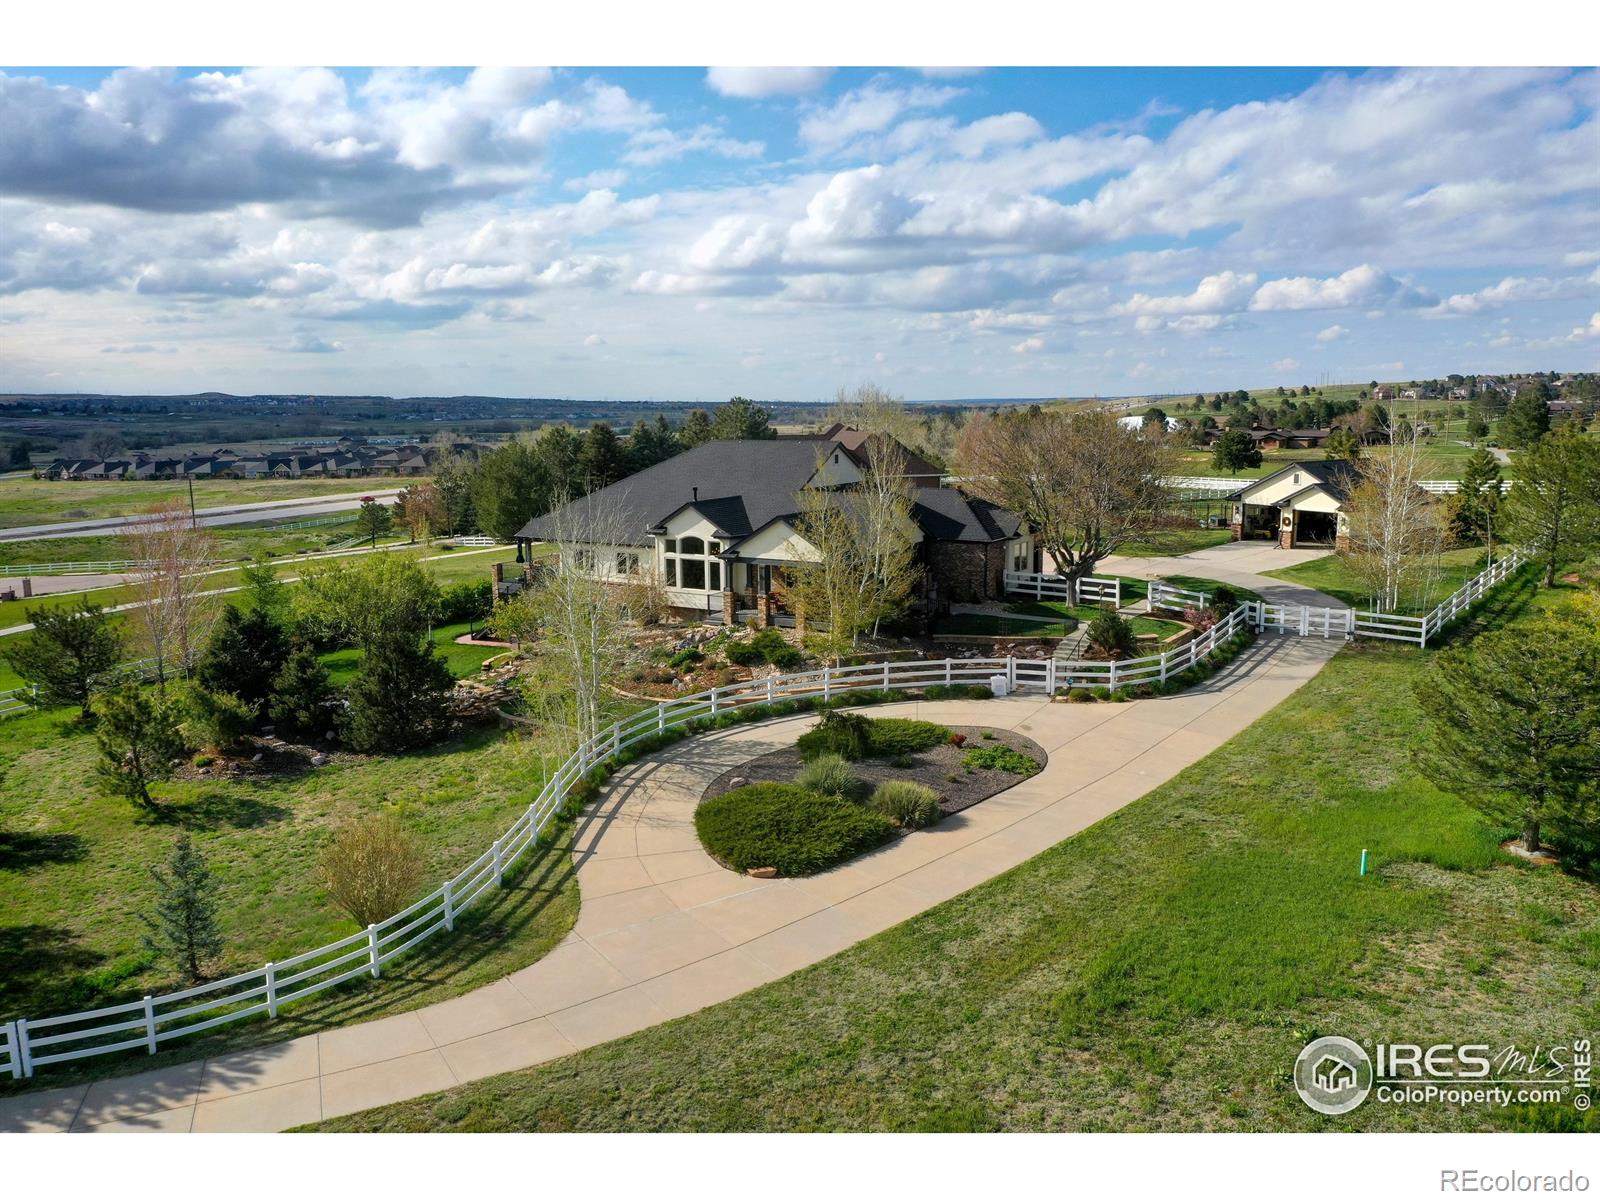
x: 1301, y: 505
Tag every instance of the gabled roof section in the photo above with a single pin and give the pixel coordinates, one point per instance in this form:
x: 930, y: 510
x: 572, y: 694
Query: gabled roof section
x: 949, y: 515
x: 1336, y: 476
x: 744, y: 483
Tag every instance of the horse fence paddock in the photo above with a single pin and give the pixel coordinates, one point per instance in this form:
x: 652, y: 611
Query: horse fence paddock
x: 1054, y: 587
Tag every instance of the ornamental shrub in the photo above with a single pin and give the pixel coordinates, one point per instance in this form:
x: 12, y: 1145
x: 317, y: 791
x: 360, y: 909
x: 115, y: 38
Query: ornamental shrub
x: 463, y: 602
x: 843, y: 733
x: 1112, y: 636
x: 830, y: 775
x: 908, y: 805
x: 1000, y: 758
x: 958, y: 691
x: 219, y: 720
x: 893, y: 737
x: 785, y: 826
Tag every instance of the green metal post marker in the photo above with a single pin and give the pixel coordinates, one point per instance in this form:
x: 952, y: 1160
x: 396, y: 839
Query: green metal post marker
x: 1363, y: 862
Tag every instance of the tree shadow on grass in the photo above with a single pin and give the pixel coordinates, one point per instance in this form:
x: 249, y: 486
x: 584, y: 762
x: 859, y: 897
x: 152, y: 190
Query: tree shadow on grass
x: 21, y: 851
x: 41, y: 968
x: 217, y: 810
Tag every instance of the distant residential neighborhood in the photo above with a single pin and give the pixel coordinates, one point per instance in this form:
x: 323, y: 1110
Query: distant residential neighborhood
x: 348, y: 458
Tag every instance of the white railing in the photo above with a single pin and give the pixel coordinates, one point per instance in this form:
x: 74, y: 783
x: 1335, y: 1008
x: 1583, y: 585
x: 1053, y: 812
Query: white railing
x: 1166, y: 595
x: 477, y: 539
x: 16, y: 701
x: 1308, y: 620
x: 108, y: 567
x: 1447, y: 487
x: 1054, y: 587
x: 155, y: 1021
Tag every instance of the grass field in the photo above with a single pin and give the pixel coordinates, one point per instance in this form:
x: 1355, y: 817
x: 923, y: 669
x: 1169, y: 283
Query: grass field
x: 464, y: 660
x: 28, y: 501
x: 1176, y: 541
x: 73, y: 871
x: 233, y: 542
x: 1443, y: 458
x: 1333, y: 576
x: 990, y: 625
x: 1159, y: 971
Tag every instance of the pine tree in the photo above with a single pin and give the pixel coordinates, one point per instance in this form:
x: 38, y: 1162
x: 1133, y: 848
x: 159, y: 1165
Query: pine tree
x: 67, y: 650
x: 1476, y: 504
x: 601, y: 461
x: 696, y: 428
x: 245, y: 654
x: 301, y: 692
x: 373, y: 520
x: 741, y: 420
x: 139, y: 738
x: 399, y: 700
x: 1554, y: 510
x: 184, y: 926
x: 1528, y: 418
x: 1342, y: 443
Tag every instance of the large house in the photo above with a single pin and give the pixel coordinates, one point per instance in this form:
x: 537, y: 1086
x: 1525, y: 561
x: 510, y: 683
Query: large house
x: 1301, y: 505
x: 719, y: 526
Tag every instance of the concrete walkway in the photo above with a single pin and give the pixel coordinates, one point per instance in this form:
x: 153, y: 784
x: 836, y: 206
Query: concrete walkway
x: 665, y: 931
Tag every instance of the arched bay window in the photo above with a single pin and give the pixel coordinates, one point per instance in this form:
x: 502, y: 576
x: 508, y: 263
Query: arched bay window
x: 692, y: 564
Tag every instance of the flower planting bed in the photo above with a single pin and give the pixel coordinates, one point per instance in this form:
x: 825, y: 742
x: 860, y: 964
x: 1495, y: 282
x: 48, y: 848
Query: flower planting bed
x: 941, y: 768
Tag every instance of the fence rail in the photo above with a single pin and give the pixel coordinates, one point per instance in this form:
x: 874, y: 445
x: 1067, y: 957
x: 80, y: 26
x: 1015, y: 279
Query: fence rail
x: 155, y: 1021
x: 1054, y: 587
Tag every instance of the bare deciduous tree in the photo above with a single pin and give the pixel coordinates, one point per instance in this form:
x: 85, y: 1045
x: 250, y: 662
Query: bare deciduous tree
x: 581, y: 617
x: 175, y: 611
x: 420, y: 508
x: 865, y: 542
x: 372, y: 868
x: 1082, y: 483
x: 1397, y: 529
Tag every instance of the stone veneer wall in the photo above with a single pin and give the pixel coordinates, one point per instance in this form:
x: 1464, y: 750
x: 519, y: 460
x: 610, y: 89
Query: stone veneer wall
x: 968, y: 573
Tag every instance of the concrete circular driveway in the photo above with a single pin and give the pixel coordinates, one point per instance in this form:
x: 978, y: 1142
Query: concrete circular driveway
x: 664, y: 930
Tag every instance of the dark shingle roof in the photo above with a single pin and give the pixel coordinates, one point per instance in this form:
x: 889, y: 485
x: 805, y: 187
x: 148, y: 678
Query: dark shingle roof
x: 745, y: 485
x: 1336, y: 476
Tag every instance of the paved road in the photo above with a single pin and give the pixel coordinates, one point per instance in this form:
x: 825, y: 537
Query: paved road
x: 233, y: 514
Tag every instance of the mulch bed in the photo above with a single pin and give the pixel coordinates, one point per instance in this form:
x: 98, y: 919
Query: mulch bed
x: 928, y: 767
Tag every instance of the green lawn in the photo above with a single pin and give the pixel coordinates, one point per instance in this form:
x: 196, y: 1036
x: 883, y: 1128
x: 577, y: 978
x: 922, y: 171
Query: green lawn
x: 233, y: 542
x: 1176, y: 541
x: 1159, y: 971
x: 989, y: 625
x: 73, y: 873
x: 1197, y: 584
x: 1333, y: 576
x: 28, y: 501
x: 1086, y: 613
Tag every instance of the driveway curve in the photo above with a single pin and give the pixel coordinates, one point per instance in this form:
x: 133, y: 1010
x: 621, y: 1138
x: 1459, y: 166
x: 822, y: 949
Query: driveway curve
x: 1239, y: 563
x: 664, y: 930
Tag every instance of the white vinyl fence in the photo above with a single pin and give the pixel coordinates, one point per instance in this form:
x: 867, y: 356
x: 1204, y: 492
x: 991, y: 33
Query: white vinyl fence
x: 16, y: 701
x: 1312, y: 621
x: 1054, y: 587
x: 156, y: 1021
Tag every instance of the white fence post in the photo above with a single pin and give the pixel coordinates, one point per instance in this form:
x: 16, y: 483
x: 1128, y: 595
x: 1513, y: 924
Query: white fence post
x: 886, y: 676
x: 449, y: 904
x: 13, y: 1055
x: 499, y: 863
x: 1111, y: 679
x: 770, y: 678
x: 948, y: 664
x: 372, y: 949
x: 661, y: 715
x: 24, y: 1047
x: 714, y: 701
x: 1050, y: 676
x: 150, y: 1024
x: 1011, y: 673
x: 827, y: 683
x: 271, y: 971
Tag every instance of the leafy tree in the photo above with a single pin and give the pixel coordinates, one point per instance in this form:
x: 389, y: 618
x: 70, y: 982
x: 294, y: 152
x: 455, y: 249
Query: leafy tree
x: 139, y: 738
x: 1342, y: 443
x: 1554, y: 509
x: 741, y: 420
x: 555, y: 454
x: 354, y: 600
x: 1476, y: 504
x: 373, y: 520
x: 264, y: 592
x: 183, y: 927
x: 649, y: 444
x: 1477, y: 430
x: 512, y: 485
x: 1112, y: 636
x: 68, y: 649
x: 421, y: 509
x: 696, y: 428
x: 245, y: 653
x: 372, y: 868
x: 1155, y: 416
x: 454, y: 479
x: 1527, y: 418
x: 602, y: 460
x: 1236, y: 450
x: 399, y: 699
x: 1515, y: 720
x: 301, y: 692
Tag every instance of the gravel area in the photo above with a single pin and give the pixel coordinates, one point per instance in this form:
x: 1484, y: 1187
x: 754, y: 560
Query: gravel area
x: 940, y: 768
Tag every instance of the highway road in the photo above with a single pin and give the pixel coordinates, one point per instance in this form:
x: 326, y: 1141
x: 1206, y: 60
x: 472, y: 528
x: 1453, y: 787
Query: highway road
x: 233, y: 514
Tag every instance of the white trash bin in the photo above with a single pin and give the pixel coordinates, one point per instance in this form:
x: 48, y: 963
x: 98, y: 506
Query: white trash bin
x: 998, y: 685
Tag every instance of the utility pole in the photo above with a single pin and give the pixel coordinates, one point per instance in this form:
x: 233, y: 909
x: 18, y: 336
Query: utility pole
x: 194, y: 522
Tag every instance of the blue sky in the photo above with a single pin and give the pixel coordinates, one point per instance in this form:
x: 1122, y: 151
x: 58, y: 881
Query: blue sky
x: 783, y: 232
